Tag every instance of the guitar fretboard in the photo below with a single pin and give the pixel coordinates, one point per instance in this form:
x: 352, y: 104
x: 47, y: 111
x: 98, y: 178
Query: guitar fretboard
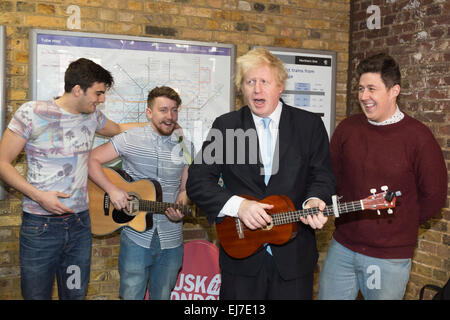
x: 294, y: 216
x: 161, y: 207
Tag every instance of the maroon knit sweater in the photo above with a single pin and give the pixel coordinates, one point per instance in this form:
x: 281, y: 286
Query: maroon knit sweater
x: 404, y: 156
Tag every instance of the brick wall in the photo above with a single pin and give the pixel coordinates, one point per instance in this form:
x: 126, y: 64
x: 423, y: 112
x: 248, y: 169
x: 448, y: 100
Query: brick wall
x: 307, y: 24
x: 416, y: 34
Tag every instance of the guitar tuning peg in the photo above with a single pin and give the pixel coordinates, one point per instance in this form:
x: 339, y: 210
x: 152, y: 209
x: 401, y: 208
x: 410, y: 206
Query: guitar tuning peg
x: 384, y: 188
x: 373, y: 191
x: 389, y: 211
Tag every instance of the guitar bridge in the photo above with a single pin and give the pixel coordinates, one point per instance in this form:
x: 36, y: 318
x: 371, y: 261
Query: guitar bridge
x: 239, y: 229
x: 106, y: 204
x: 269, y: 226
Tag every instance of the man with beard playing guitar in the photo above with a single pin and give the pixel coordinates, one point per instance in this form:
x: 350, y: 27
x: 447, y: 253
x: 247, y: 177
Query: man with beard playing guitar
x: 154, y: 256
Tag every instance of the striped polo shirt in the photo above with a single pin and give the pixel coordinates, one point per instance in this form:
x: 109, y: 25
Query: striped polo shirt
x: 147, y: 155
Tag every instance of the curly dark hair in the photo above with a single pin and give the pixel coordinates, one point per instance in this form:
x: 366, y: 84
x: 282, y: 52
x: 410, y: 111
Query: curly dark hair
x: 85, y: 73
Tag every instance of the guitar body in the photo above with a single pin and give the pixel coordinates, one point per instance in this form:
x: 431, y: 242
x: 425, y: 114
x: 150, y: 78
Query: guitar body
x: 241, y: 245
x: 105, y: 219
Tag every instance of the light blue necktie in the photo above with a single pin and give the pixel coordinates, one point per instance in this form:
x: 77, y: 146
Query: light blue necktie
x: 266, y: 153
x: 266, y: 149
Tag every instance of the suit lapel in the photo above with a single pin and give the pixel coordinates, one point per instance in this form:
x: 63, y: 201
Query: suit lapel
x: 282, y: 145
x: 247, y: 119
x: 284, y: 132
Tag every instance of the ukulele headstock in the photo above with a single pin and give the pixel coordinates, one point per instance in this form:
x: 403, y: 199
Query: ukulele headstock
x: 382, y: 200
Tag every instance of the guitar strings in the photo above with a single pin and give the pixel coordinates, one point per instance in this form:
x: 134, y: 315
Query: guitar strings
x: 160, y: 207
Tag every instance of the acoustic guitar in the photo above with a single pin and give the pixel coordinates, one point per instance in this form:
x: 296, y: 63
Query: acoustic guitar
x: 147, y: 196
x: 239, y: 242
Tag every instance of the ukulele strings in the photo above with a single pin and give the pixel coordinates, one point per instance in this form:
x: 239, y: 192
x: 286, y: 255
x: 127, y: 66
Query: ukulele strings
x: 294, y: 216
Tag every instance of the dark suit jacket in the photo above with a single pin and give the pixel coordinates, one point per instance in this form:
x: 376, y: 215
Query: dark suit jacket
x: 304, y: 171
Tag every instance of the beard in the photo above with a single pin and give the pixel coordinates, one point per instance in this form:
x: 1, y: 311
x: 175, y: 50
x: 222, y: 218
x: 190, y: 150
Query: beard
x: 163, y: 129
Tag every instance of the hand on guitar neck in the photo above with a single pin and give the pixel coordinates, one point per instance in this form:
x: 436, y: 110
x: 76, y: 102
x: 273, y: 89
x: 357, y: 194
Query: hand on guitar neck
x: 175, y: 214
x: 254, y: 214
x: 315, y: 221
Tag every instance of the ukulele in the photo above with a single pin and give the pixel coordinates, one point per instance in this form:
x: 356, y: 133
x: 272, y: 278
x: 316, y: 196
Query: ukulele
x: 239, y: 242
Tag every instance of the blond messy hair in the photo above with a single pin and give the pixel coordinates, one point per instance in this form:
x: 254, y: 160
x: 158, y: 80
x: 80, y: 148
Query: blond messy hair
x: 256, y: 58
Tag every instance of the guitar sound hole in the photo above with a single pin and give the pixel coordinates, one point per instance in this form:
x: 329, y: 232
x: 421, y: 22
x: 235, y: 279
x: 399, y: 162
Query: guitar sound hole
x: 119, y: 216
x: 123, y: 216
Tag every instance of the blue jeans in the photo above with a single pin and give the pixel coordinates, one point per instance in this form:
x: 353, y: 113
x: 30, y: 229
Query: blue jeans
x: 52, y: 246
x: 345, y: 272
x: 139, y: 266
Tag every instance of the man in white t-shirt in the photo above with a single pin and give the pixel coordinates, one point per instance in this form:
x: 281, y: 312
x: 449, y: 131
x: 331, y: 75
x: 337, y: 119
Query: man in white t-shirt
x: 57, y: 135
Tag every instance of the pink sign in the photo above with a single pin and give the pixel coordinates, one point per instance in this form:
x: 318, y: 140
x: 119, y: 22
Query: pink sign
x: 199, y: 278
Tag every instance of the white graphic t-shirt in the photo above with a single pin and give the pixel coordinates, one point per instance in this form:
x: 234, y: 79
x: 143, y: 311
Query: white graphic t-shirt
x: 57, y: 149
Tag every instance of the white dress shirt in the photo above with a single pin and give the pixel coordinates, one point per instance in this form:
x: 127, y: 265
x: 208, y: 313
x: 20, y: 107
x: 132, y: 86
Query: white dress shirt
x: 231, y: 207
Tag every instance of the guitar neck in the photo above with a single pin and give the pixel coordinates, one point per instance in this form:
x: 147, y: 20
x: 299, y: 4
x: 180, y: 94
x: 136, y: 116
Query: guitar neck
x: 294, y: 216
x: 161, y: 207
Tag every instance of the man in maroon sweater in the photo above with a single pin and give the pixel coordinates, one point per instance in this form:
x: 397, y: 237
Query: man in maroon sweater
x: 383, y: 146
